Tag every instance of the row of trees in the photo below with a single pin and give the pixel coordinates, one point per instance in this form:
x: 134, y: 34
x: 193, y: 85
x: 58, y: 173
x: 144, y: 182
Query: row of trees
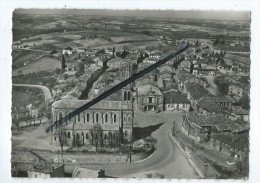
x: 97, y: 138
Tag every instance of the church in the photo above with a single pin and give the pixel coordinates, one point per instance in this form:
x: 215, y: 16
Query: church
x: 114, y: 115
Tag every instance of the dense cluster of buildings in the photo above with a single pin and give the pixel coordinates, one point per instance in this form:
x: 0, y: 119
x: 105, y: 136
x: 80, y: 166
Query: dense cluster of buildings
x: 189, y: 86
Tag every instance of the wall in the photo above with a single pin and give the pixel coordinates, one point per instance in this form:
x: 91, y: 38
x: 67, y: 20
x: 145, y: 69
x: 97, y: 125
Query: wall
x: 171, y: 106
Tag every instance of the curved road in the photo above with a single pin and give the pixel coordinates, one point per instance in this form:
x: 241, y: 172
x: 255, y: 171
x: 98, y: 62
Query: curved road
x: 166, y: 156
x: 45, y: 90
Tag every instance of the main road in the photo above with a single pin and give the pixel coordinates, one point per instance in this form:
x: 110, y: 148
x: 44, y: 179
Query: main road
x: 46, y: 91
x: 167, y: 159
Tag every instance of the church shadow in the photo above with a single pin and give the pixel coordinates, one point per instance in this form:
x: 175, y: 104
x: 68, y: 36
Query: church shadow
x: 140, y: 133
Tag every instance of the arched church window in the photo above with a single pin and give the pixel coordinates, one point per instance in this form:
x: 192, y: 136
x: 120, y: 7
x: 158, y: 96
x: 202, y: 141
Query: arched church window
x: 125, y: 95
x: 124, y: 118
x: 129, y: 96
x: 129, y: 119
x: 60, y: 116
x: 88, y: 117
x: 115, y: 118
x: 97, y: 117
x: 106, y: 117
x: 68, y: 135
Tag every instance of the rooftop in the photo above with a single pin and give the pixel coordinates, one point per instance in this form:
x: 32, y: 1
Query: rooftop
x: 174, y: 97
x: 47, y: 167
x: 238, y: 141
x: 219, y: 122
x: 74, y: 104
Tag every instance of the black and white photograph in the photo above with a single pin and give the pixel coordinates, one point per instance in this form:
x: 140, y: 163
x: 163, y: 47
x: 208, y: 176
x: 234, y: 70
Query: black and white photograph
x: 130, y: 93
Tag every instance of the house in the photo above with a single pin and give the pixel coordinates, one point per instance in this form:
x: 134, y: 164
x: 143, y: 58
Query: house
x: 229, y: 143
x: 200, y: 127
x: 169, y: 86
x: 166, y: 74
x: 84, y: 173
x: 18, y: 113
x: 210, y: 105
x: 46, y: 170
x: 67, y: 50
x: 204, y: 71
x: 149, y: 98
x: 194, y: 93
x: 235, y: 89
x: 238, y: 113
x: 182, y: 78
x: 175, y: 101
x: 32, y: 110
x: 151, y: 60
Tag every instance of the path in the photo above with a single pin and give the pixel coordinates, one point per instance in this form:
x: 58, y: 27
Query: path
x: 46, y: 91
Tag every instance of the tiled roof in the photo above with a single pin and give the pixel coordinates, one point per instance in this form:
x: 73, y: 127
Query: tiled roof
x: 238, y: 110
x: 238, y: 141
x: 174, y: 97
x: 74, y: 104
x: 210, y: 103
x: 210, y: 120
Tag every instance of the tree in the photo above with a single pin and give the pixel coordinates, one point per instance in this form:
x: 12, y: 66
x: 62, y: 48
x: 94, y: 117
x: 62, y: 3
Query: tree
x: 62, y: 138
x: 16, y: 122
x: 97, y: 135
x: 80, y: 67
x: 78, y: 142
x: 222, y: 85
x: 245, y: 102
x: 63, y: 65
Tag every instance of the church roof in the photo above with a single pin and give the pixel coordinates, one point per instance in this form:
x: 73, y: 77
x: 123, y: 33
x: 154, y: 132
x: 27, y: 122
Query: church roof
x: 74, y: 104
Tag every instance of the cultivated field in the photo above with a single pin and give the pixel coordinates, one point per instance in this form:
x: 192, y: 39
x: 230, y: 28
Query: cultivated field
x: 43, y: 64
x: 24, y: 56
x: 134, y: 38
x: 93, y: 43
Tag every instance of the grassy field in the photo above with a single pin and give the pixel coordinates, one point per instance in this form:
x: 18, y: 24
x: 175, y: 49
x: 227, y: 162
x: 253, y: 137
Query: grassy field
x: 43, y: 64
x: 23, y: 98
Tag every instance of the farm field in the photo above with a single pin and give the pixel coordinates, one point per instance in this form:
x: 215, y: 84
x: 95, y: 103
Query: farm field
x: 93, y: 43
x: 24, y: 56
x: 68, y: 44
x: 135, y: 45
x: 43, y: 64
x: 134, y: 38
